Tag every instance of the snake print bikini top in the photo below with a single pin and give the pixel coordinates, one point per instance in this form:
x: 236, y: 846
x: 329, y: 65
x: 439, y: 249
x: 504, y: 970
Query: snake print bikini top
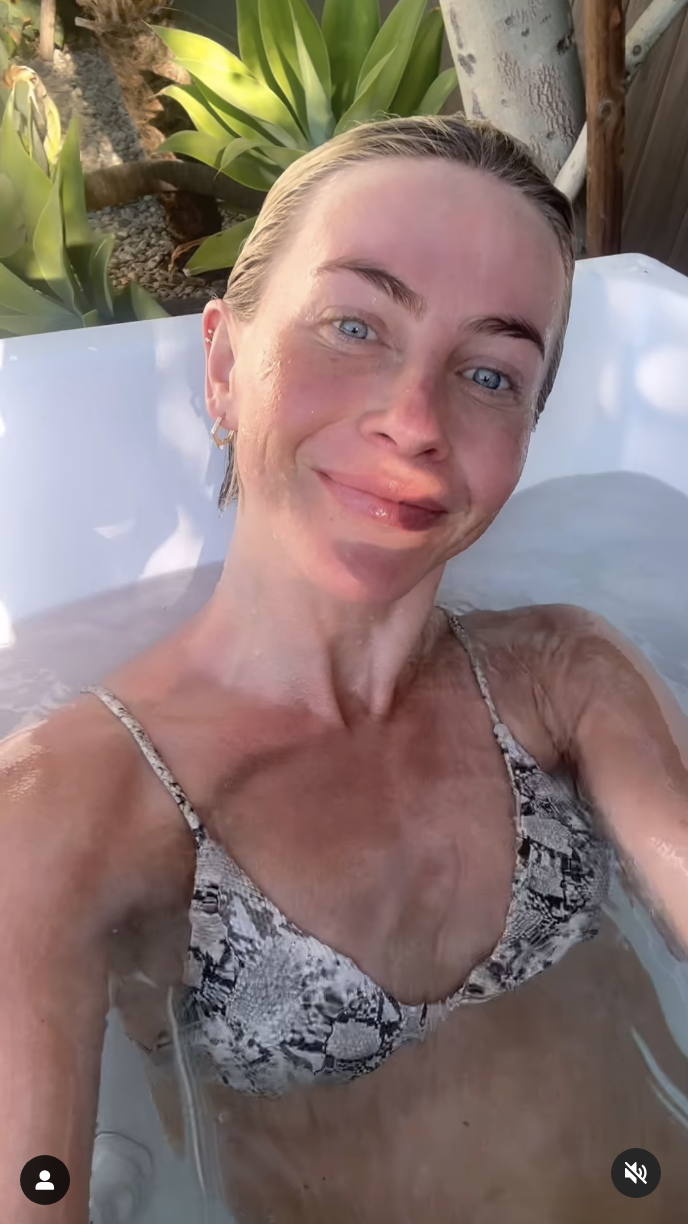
x: 266, y: 1007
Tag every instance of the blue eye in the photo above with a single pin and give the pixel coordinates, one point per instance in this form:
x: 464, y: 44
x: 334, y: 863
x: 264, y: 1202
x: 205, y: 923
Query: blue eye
x: 491, y: 380
x: 359, y: 323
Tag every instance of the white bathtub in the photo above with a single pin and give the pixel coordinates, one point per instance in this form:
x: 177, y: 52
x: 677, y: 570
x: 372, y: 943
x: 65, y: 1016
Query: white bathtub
x: 108, y: 477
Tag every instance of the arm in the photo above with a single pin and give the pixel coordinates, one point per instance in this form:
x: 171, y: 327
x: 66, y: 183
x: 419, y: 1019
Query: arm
x: 625, y: 739
x: 53, y: 977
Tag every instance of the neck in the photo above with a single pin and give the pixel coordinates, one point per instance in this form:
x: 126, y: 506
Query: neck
x: 272, y: 634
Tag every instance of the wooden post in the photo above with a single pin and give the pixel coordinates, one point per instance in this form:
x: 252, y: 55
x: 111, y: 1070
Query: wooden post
x: 46, y: 43
x: 605, y: 103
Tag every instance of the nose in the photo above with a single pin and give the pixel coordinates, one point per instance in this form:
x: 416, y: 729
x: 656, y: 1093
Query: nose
x: 411, y: 419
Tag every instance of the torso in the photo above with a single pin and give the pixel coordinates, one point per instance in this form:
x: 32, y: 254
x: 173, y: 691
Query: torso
x: 395, y: 845
x: 371, y: 838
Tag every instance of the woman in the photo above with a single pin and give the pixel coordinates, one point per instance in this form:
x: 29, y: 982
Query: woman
x: 372, y: 813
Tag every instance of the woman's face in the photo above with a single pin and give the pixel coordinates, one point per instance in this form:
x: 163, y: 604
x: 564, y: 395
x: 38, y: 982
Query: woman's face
x: 383, y: 415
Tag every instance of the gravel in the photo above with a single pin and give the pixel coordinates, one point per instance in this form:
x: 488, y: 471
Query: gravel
x: 82, y: 82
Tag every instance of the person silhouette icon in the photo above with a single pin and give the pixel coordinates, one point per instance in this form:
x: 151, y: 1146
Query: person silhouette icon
x: 41, y: 1186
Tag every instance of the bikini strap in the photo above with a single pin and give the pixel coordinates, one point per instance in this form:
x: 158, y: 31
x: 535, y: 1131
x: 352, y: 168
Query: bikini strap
x: 475, y: 664
x: 502, y: 733
x: 149, y: 751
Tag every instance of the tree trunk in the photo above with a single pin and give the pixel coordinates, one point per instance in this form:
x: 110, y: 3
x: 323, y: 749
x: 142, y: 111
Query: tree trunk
x: 518, y: 66
x: 114, y: 185
x: 605, y: 60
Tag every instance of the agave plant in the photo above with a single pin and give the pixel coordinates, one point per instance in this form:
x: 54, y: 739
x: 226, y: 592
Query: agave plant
x: 53, y: 265
x: 295, y: 84
x: 34, y: 114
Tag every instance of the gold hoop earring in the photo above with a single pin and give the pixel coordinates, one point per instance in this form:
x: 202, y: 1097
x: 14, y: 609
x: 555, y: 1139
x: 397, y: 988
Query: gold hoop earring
x: 229, y: 436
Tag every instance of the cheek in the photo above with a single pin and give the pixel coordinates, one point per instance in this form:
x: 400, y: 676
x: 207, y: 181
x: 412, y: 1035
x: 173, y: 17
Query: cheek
x: 492, y: 466
x: 293, y: 395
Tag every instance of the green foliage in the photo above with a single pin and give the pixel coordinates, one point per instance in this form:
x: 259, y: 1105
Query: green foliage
x: 53, y: 265
x: 295, y: 84
x: 19, y: 29
x: 34, y: 115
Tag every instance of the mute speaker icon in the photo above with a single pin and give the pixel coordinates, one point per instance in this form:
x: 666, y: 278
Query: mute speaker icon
x: 636, y: 1172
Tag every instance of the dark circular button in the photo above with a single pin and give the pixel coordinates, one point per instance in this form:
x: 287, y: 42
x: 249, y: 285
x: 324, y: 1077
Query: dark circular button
x: 636, y: 1173
x: 44, y: 1179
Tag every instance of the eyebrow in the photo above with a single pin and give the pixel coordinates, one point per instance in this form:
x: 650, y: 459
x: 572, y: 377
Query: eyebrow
x: 484, y: 325
x: 509, y: 325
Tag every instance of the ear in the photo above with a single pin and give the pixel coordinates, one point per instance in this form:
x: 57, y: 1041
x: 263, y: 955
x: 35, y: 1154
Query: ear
x: 220, y: 359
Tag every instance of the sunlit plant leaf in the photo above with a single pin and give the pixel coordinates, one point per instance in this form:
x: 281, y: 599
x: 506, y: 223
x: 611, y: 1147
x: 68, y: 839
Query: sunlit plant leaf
x: 222, y: 249
x: 423, y: 64
x: 30, y: 183
x: 297, y: 84
x: 349, y: 31
x: 438, y: 93
x: 206, y: 149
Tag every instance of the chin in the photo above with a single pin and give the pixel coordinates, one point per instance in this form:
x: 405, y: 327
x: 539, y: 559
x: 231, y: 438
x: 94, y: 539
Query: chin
x: 363, y: 574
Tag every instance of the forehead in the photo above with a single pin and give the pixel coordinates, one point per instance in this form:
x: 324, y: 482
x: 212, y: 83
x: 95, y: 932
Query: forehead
x: 449, y: 231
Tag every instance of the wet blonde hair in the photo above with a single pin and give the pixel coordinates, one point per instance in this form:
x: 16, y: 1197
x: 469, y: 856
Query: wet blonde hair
x: 454, y: 137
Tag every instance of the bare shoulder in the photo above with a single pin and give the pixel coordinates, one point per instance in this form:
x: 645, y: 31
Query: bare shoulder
x: 539, y: 638
x: 76, y: 810
x: 577, y: 663
x: 543, y: 661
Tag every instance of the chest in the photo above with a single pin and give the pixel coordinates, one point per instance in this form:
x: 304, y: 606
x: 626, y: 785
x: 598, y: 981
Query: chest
x: 392, y: 843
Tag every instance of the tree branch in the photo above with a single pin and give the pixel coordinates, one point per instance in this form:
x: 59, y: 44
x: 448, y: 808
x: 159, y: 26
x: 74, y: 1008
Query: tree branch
x: 114, y: 185
x: 640, y: 40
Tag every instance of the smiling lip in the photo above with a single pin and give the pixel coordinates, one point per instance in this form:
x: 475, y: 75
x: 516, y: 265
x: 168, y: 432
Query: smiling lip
x: 406, y: 515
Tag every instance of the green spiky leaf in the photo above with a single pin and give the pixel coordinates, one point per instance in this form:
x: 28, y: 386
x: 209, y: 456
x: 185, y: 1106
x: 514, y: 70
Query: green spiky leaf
x: 397, y: 34
x: 224, y: 74
x: 319, y: 116
x: 206, y: 149
x: 100, y: 255
x: 196, y: 107
x: 251, y: 47
x: 423, y: 65
x: 349, y: 31
x: 367, y: 100
x: 221, y: 251
x: 12, y: 229
x: 17, y: 297
x: 49, y: 249
x: 143, y: 304
x: 438, y: 93
x: 299, y: 62
x: 31, y: 185
x: 239, y: 123
x: 77, y: 229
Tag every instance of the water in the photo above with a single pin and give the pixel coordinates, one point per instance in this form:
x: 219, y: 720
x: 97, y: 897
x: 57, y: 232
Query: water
x: 614, y: 543
x: 52, y: 656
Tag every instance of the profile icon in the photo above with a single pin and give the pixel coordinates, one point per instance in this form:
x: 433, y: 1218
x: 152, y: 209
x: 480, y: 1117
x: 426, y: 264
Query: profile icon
x: 44, y: 1179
